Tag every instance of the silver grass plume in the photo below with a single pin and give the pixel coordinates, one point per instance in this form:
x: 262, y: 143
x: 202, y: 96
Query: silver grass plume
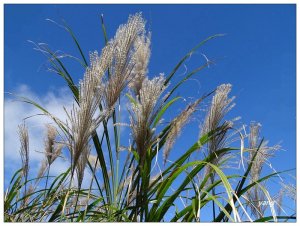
x: 176, y: 126
x: 24, y: 149
x: 24, y: 153
x: 221, y: 104
x: 143, y: 113
x: 257, y: 164
x: 52, y: 148
x: 255, y: 195
x: 263, y: 154
x: 82, y: 120
x: 123, y: 61
x: 141, y: 57
x: 99, y: 64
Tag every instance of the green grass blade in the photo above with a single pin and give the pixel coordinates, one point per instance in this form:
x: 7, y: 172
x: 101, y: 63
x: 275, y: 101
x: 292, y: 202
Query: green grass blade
x: 188, y: 55
x: 202, y: 140
x: 103, y: 29
x: 185, y: 79
x: 163, y: 110
x: 62, y: 71
x: 60, y: 179
x: 158, y: 213
x: 13, y: 191
x: 69, y: 30
x: 103, y: 167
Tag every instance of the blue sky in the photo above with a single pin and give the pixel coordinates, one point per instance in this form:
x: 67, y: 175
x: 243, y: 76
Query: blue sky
x: 257, y: 55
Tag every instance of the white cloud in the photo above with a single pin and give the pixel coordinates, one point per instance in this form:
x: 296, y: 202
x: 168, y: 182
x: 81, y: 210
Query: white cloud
x: 16, y: 111
x: 53, y: 101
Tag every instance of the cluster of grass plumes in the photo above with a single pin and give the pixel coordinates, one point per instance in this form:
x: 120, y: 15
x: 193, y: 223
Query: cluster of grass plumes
x: 111, y: 180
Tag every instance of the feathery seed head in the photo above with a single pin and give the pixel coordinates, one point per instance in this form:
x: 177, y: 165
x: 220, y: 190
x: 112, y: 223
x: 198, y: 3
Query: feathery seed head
x: 254, y: 135
x: 143, y: 112
x: 176, y: 126
x: 264, y: 151
x: 257, y: 164
x: 141, y: 58
x: 149, y: 94
x: 123, y: 61
x: 83, y: 119
x: 24, y: 149
x: 50, y: 144
x: 99, y: 64
x: 220, y: 106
